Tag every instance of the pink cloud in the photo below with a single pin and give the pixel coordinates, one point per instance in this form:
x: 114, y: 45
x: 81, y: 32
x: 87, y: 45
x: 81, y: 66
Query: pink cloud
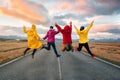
x: 64, y: 6
x: 78, y: 6
x: 104, y: 28
x: 103, y: 35
x: 81, y: 3
x: 27, y: 11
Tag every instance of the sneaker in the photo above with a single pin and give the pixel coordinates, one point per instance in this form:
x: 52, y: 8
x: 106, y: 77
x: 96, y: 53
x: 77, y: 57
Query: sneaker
x: 58, y: 55
x: 93, y: 55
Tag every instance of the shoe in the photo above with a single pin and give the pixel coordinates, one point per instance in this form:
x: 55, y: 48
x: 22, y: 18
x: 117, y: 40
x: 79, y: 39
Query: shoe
x: 23, y: 54
x: 32, y: 56
x: 58, y: 55
x: 93, y: 56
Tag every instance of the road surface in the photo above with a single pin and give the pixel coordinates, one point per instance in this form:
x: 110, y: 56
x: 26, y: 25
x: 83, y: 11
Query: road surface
x: 72, y: 66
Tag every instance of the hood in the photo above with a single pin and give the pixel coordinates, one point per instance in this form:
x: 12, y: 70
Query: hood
x: 33, y: 26
x: 67, y: 28
x: 51, y: 32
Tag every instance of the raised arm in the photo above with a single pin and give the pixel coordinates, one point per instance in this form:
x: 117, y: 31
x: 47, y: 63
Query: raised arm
x: 71, y: 25
x: 89, y: 26
x: 58, y: 28
x: 24, y: 29
x: 56, y: 32
x: 77, y: 30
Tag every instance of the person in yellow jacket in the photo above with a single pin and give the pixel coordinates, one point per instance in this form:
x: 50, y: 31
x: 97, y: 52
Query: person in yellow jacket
x: 83, y: 38
x: 33, y: 39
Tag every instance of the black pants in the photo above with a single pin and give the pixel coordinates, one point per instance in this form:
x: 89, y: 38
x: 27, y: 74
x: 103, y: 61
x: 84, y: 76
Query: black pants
x: 49, y: 44
x: 86, y: 46
x: 29, y: 49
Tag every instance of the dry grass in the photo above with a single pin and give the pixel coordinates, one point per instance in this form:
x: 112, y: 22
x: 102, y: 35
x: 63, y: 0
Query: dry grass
x: 107, y: 50
x: 11, y: 49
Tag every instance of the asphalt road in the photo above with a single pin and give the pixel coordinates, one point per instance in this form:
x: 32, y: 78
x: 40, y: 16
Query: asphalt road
x: 73, y: 66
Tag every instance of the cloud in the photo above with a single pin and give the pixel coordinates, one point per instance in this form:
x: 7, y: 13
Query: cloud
x: 105, y: 28
x: 104, y: 12
x: 90, y: 8
x: 6, y: 30
x: 27, y: 11
x: 104, y: 35
x: 106, y: 7
x: 18, y: 31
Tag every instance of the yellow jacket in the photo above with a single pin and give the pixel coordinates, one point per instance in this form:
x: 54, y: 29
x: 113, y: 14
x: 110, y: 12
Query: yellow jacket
x: 33, y: 38
x: 83, y: 35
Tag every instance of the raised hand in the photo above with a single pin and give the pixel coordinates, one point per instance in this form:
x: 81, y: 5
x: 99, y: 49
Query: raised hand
x: 70, y: 22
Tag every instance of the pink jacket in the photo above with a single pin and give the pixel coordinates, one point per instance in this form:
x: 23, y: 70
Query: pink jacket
x: 51, y: 35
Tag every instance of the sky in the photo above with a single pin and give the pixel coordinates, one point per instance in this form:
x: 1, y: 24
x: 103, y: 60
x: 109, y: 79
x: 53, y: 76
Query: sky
x: 14, y: 14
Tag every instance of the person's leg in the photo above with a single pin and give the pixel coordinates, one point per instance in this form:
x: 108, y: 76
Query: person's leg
x: 80, y: 47
x: 26, y: 51
x: 48, y: 46
x: 54, y: 48
x: 88, y: 49
x: 63, y: 47
x: 68, y: 47
x: 72, y: 48
x: 33, y: 53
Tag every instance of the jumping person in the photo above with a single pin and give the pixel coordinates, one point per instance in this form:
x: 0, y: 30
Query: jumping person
x: 83, y: 35
x: 33, y: 39
x: 67, y: 39
x: 50, y: 36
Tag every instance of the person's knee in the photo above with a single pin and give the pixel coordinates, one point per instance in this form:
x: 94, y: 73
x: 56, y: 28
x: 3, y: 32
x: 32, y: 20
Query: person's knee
x: 62, y: 50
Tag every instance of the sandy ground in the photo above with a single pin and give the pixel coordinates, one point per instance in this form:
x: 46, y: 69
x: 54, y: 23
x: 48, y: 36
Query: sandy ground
x: 107, y: 50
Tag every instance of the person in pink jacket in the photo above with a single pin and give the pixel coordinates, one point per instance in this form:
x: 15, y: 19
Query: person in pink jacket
x: 50, y: 36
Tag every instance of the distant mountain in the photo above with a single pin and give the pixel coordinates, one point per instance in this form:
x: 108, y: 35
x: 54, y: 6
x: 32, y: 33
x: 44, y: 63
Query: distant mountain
x: 57, y: 39
x: 94, y: 40
x: 11, y: 37
x: 106, y: 40
x: 74, y: 40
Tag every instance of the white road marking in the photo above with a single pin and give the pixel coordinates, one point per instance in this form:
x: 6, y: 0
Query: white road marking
x: 107, y: 62
x: 103, y: 61
x: 60, y: 74
x: 12, y: 60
